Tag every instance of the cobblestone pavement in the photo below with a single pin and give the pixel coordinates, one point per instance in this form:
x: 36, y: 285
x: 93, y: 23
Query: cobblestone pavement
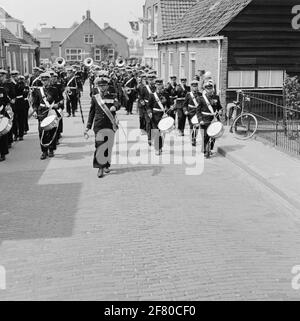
x: 144, y: 232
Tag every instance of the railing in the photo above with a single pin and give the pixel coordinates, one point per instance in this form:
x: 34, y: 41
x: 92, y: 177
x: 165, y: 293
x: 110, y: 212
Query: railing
x: 277, y: 123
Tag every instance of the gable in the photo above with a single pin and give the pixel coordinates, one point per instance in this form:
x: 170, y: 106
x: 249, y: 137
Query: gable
x: 88, y: 26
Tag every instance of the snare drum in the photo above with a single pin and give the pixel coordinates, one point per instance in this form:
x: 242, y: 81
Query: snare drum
x: 5, y: 126
x: 215, y: 130
x: 166, y: 124
x: 49, y: 123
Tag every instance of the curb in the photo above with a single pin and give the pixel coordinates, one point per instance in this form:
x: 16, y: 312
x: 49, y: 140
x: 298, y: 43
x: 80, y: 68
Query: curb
x: 259, y: 177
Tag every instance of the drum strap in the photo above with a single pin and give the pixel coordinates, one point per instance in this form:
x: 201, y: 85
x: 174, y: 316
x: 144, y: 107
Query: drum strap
x: 194, y: 99
x: 149, y: 90
x: 128, y: 82
x: 208, y: 104
x: 68, y: 84
x: 159, y: 102
x: 44, y: 98
x: 106, y: 110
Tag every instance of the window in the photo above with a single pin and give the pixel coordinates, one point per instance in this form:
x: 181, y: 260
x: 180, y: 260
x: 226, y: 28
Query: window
x: 182, y: 65
x: 9, y: 60
x: 171, y: 64
x: 163, y: 65
x: 149, y: 19
x: 73, y: 54
x: 89, y: 39
x: 14, y: 61
x: 33, y: 61
x: 155, y: 22
x: 25, y: 63
x: 111, y: 53
x: 241, y: 79
x: 270, y: 78
x: 192, y: 65
x: 97, y: 54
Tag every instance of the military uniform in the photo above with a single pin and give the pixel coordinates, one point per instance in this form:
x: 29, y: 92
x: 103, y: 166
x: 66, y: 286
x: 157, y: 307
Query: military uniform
x: 4, y: 102
x: 204, y: 115
x: 130, y: 82
x: 72, y: 94
x: 157, y: 114
x: 52, y: 96
x: 102, y: 126
x: 189, y: 109
x: 182, y: 91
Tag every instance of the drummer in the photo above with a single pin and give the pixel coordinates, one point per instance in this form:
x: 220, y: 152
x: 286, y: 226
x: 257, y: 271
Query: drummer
x: 43, y: 97
x: 190, y: 104
x: 4, y: 102
x: 159, y: 105
x: 209, y: 108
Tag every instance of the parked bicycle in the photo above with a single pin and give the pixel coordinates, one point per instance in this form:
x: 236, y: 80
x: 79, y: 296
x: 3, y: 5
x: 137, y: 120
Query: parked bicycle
x: 244, y: 124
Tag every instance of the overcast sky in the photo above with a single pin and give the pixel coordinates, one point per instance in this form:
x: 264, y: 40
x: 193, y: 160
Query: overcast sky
x: 62, y: 13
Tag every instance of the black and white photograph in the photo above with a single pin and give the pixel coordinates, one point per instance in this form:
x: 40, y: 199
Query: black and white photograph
x: 150, y: 152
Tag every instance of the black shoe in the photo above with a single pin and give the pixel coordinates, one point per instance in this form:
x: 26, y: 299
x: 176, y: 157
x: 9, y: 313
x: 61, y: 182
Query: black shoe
x: 100, y: 173
x: 68, y: 116
x: 106, y: 170
x: 51, y: 154
x: 149, y: 143
x: 44, y: 156
x: 21, y: 139
x: 194, y: 143
x: 15, y: 138
x: 2, y: 158
x: 25, y: 133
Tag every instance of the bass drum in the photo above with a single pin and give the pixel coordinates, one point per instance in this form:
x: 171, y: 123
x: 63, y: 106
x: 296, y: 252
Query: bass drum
x: 215, y: 130
x: 166, y: 125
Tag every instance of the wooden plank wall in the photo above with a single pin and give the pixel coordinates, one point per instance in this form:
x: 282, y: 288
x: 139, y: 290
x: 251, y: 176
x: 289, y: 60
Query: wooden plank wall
x: 262, y: 37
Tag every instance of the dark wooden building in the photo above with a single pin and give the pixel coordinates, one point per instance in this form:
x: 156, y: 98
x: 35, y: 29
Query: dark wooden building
x: 246, y: 44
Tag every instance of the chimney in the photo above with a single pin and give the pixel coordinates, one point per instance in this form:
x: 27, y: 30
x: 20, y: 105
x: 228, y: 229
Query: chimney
x: 83, y: 18
x: 106, y: 25
x: 88, y: 15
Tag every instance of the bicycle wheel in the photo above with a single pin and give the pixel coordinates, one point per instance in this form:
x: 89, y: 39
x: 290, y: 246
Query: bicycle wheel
x: 245, y: 126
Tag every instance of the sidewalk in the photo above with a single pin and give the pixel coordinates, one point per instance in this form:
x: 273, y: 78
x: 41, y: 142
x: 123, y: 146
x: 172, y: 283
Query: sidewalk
x: 275, y: 169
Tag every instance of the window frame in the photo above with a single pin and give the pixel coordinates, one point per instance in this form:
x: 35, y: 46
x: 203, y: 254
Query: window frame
x: 241, y: 79
x: 69, y: 54
x: 98, y: 52
x: 270, y: 78
x: 89, y: 39
x: 182, y: 72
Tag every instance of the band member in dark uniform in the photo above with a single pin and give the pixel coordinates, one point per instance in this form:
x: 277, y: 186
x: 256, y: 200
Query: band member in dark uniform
x: 209, y: 108
x: 182, y: 91
x: 34, y: 80
x: 157, y: 102
x: 192, y: 100
x: 56, y: 82
x: 26, y: 96
x: 142, y: 101
x: 20, y: 109
x: 72, y: 92
x: 4, y: 105
x: 42, y: 98
x: 130, y: 84
x: 172, y: 91
x: 104, y: 106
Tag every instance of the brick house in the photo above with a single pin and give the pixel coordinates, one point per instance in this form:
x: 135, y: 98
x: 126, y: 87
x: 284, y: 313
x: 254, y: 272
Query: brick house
x: 82, y: 41
x: 19, y: 50
x: 158, y: 16
x: 247, y: 44
x: 119, y: 39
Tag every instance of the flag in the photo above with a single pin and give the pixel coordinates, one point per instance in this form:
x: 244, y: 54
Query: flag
x: 135, y: 26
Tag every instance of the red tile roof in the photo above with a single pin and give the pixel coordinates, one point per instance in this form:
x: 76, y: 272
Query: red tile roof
x: 206, y: 18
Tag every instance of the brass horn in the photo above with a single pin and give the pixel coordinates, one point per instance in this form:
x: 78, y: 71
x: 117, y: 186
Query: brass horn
x: 120, y: 62
x: 88, y: 62
x: 60, y: 62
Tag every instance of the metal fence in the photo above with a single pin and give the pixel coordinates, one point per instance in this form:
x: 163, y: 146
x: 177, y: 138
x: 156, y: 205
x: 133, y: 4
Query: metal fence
x: 277, y: 123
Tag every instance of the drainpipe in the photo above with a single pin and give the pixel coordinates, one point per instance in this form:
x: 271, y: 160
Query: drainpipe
x: 219, y: 66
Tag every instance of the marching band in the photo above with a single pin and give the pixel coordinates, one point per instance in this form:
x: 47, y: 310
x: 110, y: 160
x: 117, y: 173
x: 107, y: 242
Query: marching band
x: 48, y: 92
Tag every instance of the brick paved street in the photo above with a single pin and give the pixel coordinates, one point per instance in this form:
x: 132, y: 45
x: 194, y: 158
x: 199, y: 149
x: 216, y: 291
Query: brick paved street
x: 145, y: 232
